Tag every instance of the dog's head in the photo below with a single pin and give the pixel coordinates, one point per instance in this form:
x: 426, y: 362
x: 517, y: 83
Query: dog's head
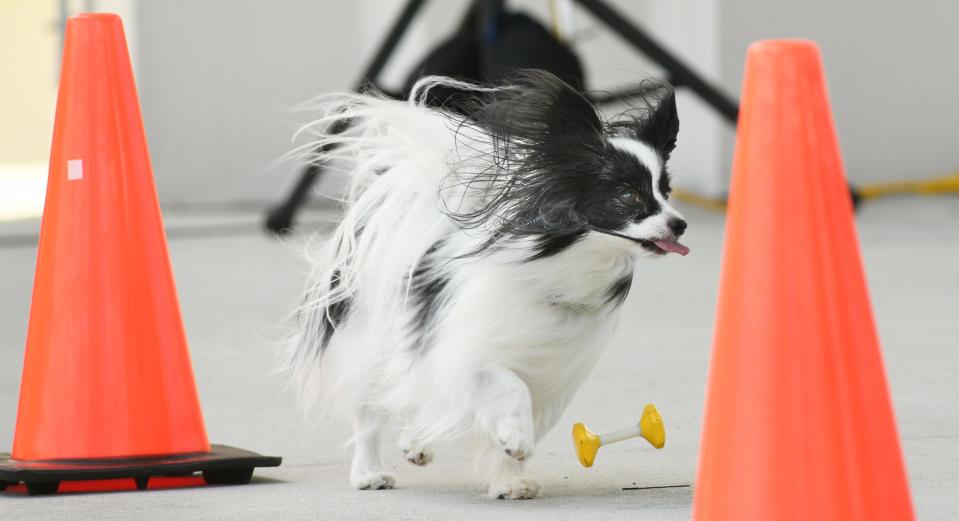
x: 560, y: 170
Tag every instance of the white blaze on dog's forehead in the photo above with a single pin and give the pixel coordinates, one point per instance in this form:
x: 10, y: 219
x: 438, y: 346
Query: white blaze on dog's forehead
x: 652, y: 161
x: 646, y: 155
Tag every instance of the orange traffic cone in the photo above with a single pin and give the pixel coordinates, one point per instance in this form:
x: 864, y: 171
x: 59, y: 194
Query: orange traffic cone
x: 798, y: 422
x: 107, y: 372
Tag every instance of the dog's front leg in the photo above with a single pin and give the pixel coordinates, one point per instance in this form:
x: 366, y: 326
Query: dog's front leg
x: 366, y: 470
x: 414, y: 451
x: 504, y: 410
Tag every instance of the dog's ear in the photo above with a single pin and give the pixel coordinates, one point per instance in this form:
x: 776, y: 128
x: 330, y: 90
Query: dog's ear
x: 547, y: 143
x: 539, y: 107
x: 661, y: 125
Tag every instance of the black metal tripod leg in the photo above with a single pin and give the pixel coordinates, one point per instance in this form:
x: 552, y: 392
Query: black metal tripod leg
x: 279, y: 219
x: 389, y: 44
x: 679, y: 73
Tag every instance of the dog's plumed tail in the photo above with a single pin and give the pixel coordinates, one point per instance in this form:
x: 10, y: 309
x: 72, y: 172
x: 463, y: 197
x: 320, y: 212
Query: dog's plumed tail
x: 398, y: 154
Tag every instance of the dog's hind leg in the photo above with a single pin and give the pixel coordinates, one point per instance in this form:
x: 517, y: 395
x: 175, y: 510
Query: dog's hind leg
x: 366, y: 471
x: 504, y: 410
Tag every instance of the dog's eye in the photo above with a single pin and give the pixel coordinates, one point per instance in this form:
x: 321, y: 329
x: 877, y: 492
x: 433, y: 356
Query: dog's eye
x: 629, y: 196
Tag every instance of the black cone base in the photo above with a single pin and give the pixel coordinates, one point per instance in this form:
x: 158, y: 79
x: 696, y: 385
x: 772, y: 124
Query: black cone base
x: 223, y: 465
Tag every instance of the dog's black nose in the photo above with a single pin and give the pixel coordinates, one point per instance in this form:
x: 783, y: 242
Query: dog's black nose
x: 678, y: 226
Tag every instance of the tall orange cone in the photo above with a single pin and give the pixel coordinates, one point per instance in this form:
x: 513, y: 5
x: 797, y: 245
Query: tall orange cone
x: 798, y: 422
x: 107, y: 372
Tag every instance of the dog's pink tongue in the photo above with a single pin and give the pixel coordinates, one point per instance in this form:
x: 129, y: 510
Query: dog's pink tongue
x: 672, y: 246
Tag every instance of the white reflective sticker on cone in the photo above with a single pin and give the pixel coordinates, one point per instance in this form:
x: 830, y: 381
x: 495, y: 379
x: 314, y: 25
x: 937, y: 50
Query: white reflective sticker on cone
x: 74, y: 169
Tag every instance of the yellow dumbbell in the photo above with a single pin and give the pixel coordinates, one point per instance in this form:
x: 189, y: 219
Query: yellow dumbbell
x: 650, y: 427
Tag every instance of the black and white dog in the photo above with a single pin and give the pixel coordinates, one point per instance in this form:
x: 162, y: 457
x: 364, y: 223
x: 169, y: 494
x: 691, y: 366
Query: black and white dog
x: 478, y: 267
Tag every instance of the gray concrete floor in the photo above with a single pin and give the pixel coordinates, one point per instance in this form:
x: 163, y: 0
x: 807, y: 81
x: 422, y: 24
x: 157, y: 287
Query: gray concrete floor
x: 236, y: 289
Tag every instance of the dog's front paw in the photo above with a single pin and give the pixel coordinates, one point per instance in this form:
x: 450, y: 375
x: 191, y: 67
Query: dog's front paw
x: 515, y: 441
x: 515, y: 488
x: 373, y: 480
x: 419, y: 456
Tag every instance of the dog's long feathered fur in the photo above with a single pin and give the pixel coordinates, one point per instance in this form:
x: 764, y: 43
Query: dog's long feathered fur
x: 478, y: 265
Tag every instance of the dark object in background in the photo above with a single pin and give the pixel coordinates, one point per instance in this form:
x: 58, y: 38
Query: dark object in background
x: 509, y: 42
x: 457, y: 57
x: 500, y: 32
x: 855, y: 196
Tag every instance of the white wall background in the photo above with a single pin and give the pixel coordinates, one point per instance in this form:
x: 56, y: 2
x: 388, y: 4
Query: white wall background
x: 891, y: 68
x: 28, y: 68
x: 218, y: 78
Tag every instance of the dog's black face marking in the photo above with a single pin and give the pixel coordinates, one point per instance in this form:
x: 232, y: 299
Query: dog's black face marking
x: 618, y: 291
x: 334, y: 313
x: 554, y: 171
x: 427, y: 287
x: 620, y: 192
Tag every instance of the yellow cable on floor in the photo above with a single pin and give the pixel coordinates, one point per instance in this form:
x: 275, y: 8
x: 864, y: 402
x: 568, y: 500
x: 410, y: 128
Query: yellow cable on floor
x: 709, y: 203
x: 947, y: 184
